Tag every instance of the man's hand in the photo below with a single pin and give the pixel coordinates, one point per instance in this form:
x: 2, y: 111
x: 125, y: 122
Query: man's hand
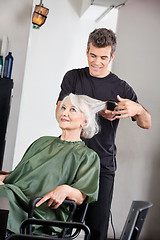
x: 127, y: 108
x: 107, y: 114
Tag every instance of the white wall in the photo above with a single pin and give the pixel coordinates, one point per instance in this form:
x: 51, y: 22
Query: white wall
x: 14, y: 22
x: 59, y: 45
x: 137, y: 61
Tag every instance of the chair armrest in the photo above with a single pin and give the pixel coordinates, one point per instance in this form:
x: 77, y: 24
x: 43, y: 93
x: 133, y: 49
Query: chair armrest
x: 3, y: 172
x: 33, y: 202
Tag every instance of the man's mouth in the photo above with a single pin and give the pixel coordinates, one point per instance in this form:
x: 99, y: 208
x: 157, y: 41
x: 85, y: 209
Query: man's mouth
x: 96, y: 68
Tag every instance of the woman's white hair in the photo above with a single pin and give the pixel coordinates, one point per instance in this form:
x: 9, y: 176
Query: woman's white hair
x: 90, y: 107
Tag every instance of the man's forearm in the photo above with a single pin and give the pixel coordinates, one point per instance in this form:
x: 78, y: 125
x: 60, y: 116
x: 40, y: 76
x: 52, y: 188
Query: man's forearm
x: 143, y: 118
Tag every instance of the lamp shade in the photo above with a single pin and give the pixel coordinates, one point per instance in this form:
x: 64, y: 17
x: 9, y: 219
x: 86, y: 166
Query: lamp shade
x: 39, y: 15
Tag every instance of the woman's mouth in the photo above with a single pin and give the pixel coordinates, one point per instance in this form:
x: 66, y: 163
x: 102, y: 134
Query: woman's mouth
x: 64, y: 120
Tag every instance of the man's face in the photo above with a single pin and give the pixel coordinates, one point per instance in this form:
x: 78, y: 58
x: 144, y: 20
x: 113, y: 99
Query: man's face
x: 98, y: 60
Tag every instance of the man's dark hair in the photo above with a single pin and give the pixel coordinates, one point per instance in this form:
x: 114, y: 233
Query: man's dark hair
x: 101, y: 38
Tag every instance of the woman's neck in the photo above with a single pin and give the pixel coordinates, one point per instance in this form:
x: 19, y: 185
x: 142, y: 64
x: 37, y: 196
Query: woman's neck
x: 70, y: 136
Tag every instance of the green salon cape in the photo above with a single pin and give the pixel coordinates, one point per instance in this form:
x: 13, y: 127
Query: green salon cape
x: 48, y: 163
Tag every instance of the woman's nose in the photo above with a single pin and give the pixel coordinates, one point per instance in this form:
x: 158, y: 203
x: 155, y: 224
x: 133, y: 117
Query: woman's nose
x: 65, y: 112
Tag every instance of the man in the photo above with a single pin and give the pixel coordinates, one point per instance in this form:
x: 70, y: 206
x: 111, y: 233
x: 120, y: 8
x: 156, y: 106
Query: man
x: 98, y: 82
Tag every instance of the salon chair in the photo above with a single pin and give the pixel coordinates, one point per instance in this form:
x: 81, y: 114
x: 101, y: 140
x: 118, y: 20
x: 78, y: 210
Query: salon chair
x: 135, y: 220
x: 131, y: 231
x: 70, y: 230
x: 76, y: 214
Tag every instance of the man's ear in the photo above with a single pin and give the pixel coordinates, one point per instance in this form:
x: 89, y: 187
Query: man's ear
x: 87, y: 52
x: 113, y: 55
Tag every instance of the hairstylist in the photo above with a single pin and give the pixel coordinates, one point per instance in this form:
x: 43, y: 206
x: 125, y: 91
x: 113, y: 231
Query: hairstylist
x: 98, y: 82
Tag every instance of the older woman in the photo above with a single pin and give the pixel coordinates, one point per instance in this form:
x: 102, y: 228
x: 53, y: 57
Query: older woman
x: 56, y: 168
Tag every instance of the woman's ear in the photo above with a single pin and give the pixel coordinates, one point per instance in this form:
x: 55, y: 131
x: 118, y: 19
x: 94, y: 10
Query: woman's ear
x: 85, y: 122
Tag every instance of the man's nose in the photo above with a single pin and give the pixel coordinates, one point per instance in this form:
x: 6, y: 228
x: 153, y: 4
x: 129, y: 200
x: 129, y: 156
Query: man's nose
x: 97, y: 60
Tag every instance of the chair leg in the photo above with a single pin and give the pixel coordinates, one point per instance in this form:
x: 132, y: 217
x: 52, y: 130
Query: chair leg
x: 4, y: 210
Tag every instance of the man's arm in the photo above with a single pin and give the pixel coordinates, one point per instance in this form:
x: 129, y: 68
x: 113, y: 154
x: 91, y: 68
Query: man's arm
x: 127, y: 108
x: 143, y: 119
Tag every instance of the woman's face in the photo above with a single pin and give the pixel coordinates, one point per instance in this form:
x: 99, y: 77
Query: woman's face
x: 70, y: 117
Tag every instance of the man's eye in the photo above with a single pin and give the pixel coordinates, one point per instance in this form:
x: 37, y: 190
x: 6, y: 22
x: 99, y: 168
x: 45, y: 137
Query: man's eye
x: 93, y: 56
x: 103, y: 58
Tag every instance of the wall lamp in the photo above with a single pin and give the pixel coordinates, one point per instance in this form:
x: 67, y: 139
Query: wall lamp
x: 39, y: 15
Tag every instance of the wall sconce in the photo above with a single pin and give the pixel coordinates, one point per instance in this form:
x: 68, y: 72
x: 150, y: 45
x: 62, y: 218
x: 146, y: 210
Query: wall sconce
x: 39, y: 15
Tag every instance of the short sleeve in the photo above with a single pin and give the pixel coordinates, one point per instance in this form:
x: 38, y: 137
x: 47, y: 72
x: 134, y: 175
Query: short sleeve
x: 68, y: 85
x: 130, y: 94
x: 87, y: 177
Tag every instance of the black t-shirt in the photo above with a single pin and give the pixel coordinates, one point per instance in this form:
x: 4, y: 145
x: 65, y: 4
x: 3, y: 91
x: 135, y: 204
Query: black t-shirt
x: 79, y: 81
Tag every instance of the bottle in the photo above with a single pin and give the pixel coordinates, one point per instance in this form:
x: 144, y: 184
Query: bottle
x: 8, y: 66
x: 1, y: 65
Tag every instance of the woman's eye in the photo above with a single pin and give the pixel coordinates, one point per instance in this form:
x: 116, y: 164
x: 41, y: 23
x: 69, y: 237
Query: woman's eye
x: 73, y: 110
x: 63, y: 108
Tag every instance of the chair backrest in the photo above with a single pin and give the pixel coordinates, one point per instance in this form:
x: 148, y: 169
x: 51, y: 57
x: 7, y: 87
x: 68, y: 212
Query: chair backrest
x: 135, y: 220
